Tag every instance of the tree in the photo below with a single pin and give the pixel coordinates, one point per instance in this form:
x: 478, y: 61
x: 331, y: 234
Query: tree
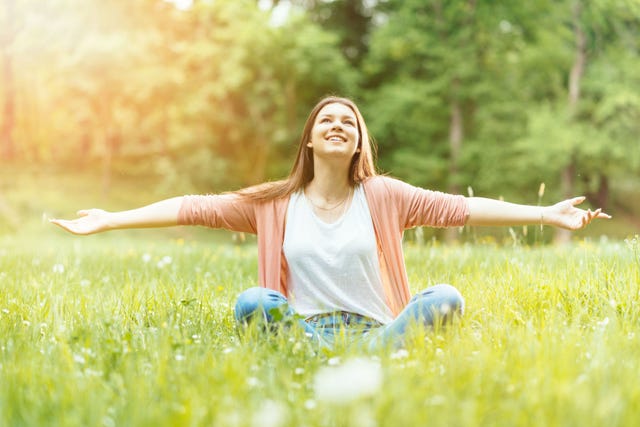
x: 351, y: 20
x: 583, y: 134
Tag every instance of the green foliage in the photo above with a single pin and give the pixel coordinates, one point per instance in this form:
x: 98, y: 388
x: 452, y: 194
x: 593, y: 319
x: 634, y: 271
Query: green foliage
x: 213, y: 97
x: 107, y: 330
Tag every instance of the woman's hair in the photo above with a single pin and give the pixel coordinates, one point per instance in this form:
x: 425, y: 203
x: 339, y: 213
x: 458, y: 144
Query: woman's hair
x: 362, y: 163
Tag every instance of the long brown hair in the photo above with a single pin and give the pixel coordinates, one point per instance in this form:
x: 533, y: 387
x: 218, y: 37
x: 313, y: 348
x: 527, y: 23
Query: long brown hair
x: 362, y: 164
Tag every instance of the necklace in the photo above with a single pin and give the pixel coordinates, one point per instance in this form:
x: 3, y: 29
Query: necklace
x: 331, y: 207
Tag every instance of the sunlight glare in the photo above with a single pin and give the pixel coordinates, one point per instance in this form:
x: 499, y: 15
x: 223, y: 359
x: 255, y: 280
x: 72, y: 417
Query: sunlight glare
x: 181, y: 4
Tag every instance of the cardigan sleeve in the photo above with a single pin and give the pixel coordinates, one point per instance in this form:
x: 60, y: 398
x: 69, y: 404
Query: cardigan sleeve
x: 228, y: 211
x: 420, y: 207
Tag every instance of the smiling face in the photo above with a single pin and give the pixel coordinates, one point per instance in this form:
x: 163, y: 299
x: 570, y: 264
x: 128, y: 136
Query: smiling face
x: 335, y: 132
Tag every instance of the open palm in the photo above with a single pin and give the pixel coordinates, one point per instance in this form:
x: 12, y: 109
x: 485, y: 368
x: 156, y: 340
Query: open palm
x: 90, y: 221
x: 565, y: 214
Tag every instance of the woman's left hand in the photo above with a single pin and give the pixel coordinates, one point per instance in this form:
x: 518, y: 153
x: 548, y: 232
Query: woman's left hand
x: 565, y: 214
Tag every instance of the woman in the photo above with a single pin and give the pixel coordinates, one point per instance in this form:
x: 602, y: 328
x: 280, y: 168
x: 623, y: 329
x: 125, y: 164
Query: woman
x: 330, y: 235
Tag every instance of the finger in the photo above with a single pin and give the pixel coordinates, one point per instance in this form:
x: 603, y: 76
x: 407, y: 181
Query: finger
x: 585, y: 219
x: 599, y: 214
x: 60, y: 223
x: 577, y: 200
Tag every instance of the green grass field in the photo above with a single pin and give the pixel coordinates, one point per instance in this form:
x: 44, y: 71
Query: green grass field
x: 121, y: 330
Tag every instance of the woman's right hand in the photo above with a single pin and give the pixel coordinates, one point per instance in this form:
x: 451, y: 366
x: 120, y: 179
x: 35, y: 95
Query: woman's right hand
x: 91, y: 221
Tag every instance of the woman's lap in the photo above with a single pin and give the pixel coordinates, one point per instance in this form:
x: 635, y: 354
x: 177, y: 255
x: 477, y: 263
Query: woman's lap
x: 433, y: 306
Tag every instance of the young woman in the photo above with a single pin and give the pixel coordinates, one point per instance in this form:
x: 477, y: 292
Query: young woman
x: 330, y: 234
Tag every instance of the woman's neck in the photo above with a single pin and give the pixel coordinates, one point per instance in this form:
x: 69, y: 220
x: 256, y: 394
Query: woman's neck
x: 329, y: 184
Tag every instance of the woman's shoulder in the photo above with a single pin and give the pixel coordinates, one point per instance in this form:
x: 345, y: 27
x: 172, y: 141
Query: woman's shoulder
x: 385, y: 183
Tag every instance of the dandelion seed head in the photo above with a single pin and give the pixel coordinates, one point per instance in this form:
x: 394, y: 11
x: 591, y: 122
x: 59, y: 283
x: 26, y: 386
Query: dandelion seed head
x: 58, y: 268
x: 146, y: 258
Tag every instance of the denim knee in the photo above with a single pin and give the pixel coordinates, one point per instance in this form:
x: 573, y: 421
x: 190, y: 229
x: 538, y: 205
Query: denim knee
x: 445, y: 299
x: 258, y: 301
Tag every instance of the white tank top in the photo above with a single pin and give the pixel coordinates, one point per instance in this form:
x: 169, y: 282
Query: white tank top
x: 333, y: 266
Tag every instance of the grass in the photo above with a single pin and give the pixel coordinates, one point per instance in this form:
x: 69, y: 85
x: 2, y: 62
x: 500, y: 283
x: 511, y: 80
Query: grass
x: 112, y: 330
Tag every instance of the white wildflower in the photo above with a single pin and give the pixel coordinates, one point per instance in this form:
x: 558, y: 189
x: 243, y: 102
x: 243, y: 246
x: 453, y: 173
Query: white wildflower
x: 400, y: 354
x: 445, y: 309
x: 146, y: 258
x: 354, y: 379
x: 166, y: 260
x: 270, y: 414
x: 58, y: 268
x: 253, y: 382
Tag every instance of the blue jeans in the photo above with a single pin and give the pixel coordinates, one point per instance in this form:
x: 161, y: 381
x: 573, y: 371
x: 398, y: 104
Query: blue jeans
x: 434, y: 306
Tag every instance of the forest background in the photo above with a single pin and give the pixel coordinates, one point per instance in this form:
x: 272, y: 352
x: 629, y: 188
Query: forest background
x: 123, y: 102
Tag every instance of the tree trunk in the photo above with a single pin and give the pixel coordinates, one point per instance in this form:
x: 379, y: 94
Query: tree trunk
x: 575, y: 77
x: 7, y: 148
x: 600, y: 197
x: 456, y: 135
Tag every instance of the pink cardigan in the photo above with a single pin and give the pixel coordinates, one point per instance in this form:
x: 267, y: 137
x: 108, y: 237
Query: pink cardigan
x: 395, y: 206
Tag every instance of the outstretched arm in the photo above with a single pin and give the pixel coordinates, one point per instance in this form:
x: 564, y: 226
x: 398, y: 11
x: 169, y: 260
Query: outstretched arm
x: 159, y: 214
x: 565, y: 214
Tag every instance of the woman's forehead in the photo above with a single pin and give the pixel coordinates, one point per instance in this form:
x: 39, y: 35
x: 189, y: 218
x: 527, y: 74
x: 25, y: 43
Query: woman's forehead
x: 336, y: 109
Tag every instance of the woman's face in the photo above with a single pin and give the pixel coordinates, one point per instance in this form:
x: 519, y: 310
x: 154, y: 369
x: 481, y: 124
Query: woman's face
x: 335, y: 132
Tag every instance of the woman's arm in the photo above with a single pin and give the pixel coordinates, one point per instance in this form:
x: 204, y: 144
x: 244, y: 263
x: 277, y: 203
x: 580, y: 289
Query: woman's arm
x: 159, y: 214
x: 565, y: 214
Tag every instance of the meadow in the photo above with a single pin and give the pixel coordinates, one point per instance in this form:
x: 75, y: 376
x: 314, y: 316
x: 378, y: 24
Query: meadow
x: 124, y: 330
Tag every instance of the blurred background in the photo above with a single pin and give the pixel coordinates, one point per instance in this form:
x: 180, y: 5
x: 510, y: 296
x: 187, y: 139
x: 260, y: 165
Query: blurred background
x: 119, y: 103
